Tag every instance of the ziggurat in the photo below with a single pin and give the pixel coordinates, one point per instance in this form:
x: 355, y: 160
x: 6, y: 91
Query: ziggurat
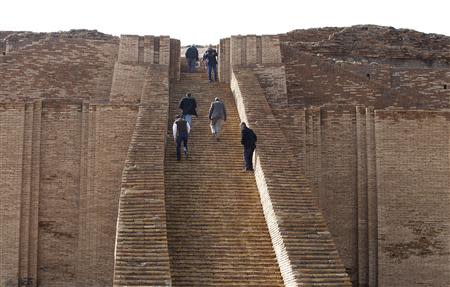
x: 352, y: 174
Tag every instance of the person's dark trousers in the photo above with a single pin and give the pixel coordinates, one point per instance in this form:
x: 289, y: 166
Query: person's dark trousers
x: 191, y: 64
x: 248, y: 157
x: 212, y: 67
x: 182, y: 138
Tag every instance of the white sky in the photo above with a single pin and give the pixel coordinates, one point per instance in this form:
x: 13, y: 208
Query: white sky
x: 203, y: 22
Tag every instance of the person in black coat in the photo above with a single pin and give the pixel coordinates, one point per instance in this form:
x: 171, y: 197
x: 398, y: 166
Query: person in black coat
x: 191, y: 58
x: 248, y: 140
x: 188, y: 105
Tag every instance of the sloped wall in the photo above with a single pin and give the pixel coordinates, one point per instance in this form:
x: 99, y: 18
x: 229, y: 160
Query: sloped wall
x: 62, y: 161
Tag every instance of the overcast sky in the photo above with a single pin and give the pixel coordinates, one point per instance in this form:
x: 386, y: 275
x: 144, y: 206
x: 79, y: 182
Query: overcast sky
x: 202, y: 22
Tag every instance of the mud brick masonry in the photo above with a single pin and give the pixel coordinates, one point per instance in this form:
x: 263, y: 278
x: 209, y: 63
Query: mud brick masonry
x: 352, y: 170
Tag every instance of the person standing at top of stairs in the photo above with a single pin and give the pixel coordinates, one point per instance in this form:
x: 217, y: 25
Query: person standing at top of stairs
x: 217, y: 115
x: 188, y: 105
x: 181, y: 129
x: 210, y: 57
x: 191, y: 58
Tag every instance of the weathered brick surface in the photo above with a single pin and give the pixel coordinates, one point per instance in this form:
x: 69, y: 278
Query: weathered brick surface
x: 175, y: 59
x: 58, y: 194
x: 374, y: 43
x: 141, y: 251
x: 366, y: 166
x: 12, y: 118
x: 138, y: 58
x: 107, y: 136
x: 383, y: 67
x: 14, y: 41
x: 413, y: 198
x: 224, y: 60
x: 128, y: 82
x: 70, y: 160
x: 60, y: 67
x: 312, y: 81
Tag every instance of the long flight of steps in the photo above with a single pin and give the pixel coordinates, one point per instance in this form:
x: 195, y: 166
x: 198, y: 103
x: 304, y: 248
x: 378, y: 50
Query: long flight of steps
x: 217, y: 234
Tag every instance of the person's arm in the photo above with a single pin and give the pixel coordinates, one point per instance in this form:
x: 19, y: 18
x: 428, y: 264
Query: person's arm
x: 195, y: 108
x: 211, y: 109
x: 180, y: 105
x: 224, y: 113
x: 174, y: 130
x: 188, y: 127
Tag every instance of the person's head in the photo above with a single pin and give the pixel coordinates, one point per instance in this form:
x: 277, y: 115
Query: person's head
x: 177, y: 117
x: 216, y: 99
x: 243, y: 125
x: 188, y: 95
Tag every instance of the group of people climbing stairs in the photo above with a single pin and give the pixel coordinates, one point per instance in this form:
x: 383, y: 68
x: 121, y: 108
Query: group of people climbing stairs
x: 217, y: 234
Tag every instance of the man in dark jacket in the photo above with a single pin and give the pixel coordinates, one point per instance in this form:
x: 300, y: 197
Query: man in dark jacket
x: 248, y: 140
x: 210, y: 57
x: 188, y: 105
x: 191, y: 58
x: 181, y: 130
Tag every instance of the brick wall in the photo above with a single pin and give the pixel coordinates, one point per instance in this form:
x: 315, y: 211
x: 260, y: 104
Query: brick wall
x: 175, y: 57
x: 61, y: 167
x: 12, y: 117
x: 59, y: 193
x: 425, y: 87
x: 328, y: 72
x: 59, y: 67
x: 251, y: 50
x: 107, y: 136
x: 381, y: 182
x: 337, y: 180
x: 373, y: 42
x: 412, y: 170
x: 224, y: 60
x: 263, y: 54
x: 138, y: 58
x: 311, y: 81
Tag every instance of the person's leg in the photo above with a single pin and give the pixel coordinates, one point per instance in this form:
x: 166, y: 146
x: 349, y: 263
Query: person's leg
x: 194, y: 63
x: 248, y: 158
x: 218, y: 127
x: 209, y: 72
x: 188, y: 62
x: 178, y: 148
x: 185, y: 145
x: 212, y: 124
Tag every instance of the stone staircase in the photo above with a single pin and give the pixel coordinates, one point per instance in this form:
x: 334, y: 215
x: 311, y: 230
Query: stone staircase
x: 217, y: 234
